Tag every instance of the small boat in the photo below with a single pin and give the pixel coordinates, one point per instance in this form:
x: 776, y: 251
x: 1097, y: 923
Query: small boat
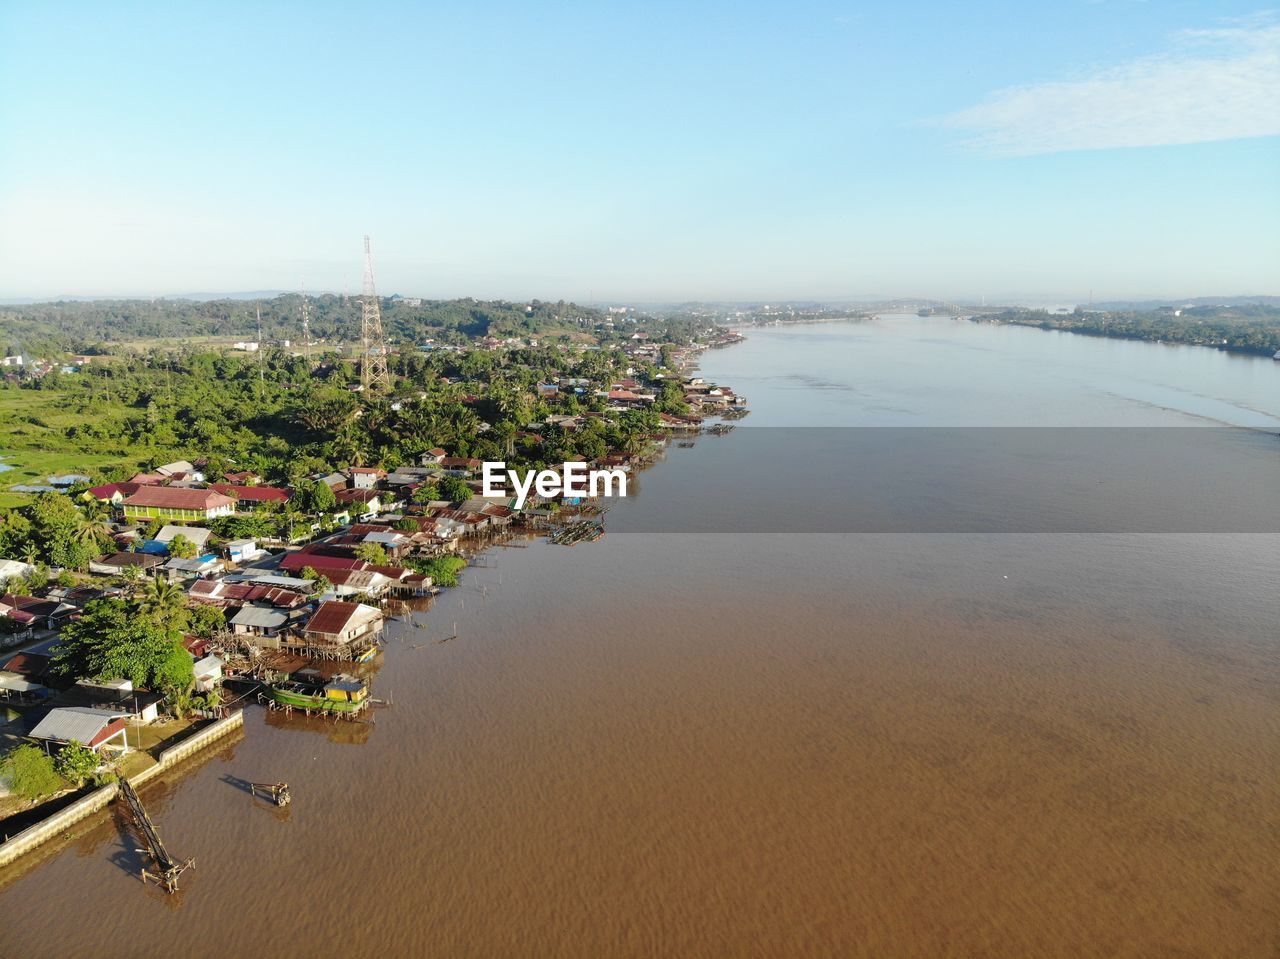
x: 306, y: 690
x: 1277, y: 356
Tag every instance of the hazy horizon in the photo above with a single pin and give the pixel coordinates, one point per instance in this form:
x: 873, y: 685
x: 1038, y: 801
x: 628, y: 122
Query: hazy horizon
x: 658, y: 154
x: 1022, y: 299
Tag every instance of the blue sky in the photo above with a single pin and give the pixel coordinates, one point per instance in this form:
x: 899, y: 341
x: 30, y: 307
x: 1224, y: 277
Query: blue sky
x: 651, y: 151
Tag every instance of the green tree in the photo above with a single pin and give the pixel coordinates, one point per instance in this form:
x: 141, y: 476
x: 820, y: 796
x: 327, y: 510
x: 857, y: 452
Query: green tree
x: 31, y: 773
x: 426, y: 493
x: 115, y: 640
x: 206, y: 621
x: 454, y: 489
x: 76, y: 763
x: 320, y: 583
x: 61, y: 531
x: 164, y: 602
x: 182, y: 547
x: 374, y: 553
x: 322, y: 498
x: 443, y: 570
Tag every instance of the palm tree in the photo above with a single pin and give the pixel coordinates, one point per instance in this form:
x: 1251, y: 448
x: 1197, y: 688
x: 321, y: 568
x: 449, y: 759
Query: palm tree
x: 163, y: 601
x: 89, y: 531
x: 289, y: 516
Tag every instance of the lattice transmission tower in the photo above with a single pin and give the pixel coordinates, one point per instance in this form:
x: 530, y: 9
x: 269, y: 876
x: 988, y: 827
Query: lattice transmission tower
x: 373, y: 359
x: 306, y: 323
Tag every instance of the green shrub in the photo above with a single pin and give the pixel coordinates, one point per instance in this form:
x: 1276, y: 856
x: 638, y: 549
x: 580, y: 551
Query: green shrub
x: 31, y: 773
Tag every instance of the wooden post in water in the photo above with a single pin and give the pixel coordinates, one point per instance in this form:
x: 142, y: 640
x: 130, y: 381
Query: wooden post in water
x: 276, y: 792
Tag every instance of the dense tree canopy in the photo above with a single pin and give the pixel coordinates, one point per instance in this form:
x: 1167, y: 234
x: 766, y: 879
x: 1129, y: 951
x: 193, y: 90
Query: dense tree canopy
x: 118, y: 640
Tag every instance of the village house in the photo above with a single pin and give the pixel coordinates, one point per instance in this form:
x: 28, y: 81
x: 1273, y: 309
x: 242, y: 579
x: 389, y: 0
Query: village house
x: 340, y: 625
x: 249, y: 498
x: 33, y: 612
x: 149, y: 479
x: 348, y: 583
x: 99, y: 729
x: 208, y: 673
x: 395, y: 543
x: 222, y: 592
x: 35, y: 664
x: 178, y: 568
x: 244, y: 551
x: 258, y: 622
x: 460, y: 465
x: 260, y: 577
x: 14, y: 569
x: 361, y: 500
x: 198, y: 536
x: 113, y: 493
x: 16, y: 688
x: 117, y: 563
x: 366, y: 477
x: 180, y: 470
x: 169, y: 503
x: 138, y: 706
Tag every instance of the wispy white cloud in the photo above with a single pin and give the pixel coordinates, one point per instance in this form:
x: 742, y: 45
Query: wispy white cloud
x: 1220, y: 84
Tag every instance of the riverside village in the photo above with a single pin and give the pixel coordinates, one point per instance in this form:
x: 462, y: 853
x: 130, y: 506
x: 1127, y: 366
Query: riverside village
x: 141, y: 615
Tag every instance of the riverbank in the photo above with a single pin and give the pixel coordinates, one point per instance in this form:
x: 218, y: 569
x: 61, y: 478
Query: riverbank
x: 58, y: 824
x: 1254, y: 336
x: 797, y: 744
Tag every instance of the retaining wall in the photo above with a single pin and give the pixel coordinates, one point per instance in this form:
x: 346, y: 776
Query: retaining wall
x: 59, y: 822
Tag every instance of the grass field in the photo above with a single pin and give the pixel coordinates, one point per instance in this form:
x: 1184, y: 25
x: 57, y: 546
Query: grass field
x: 33, y: 442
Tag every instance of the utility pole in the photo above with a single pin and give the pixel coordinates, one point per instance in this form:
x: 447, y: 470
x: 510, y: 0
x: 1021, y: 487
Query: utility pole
x: 373, y: 347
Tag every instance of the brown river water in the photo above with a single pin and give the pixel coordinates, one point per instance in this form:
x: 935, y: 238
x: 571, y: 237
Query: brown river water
x: 901, y: 742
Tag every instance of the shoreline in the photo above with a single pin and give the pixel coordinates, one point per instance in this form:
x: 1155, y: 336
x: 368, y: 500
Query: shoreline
x: 18, y: 848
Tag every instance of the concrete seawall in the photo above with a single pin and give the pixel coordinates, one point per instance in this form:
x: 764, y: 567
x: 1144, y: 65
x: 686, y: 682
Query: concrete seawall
x: 86, y: 806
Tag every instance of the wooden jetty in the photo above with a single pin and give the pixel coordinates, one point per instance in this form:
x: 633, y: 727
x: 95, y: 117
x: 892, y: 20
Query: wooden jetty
x: 168, y: 869
x: 584, y: 531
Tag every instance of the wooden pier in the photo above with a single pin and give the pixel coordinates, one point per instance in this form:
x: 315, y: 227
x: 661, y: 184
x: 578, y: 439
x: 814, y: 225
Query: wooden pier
x: 168, y: 869
x: 583, y: 531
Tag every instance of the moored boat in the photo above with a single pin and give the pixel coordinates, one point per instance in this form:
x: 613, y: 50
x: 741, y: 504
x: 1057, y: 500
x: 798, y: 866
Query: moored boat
x: 341, y: 694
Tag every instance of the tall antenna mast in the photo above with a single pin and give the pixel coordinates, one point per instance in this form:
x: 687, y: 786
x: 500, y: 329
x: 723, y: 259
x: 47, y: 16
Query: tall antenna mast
x: 373, y: 347
x: 306, y: 323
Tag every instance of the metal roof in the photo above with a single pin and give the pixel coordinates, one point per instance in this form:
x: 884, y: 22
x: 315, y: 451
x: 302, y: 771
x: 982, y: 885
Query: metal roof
x: 334, y: 617
x: 74, y: 722
x: 173, y: 497
x: 261, y: 618
x: 207, y: 665
x: 18, y: 684
x: 388, y: 536
x: 198, y: 535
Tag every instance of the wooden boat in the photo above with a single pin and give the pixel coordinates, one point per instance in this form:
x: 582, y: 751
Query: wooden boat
x: 341, y: 694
